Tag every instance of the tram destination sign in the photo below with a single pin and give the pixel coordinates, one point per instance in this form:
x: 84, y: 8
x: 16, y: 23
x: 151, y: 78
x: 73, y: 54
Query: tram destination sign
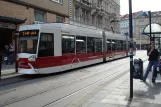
x: 29, y: 33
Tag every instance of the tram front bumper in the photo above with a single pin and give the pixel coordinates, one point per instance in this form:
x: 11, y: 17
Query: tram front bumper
x: 27, y: 71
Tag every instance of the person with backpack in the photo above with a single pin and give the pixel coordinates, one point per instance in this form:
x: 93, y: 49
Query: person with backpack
x: 154, y: 60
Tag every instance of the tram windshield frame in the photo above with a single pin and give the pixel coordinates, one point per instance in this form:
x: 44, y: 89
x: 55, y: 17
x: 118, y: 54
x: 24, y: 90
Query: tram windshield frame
x: 28, y: 41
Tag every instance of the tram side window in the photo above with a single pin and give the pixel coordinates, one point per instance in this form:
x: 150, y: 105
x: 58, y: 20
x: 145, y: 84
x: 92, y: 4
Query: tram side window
x: 116, y: 45
x: 98, y: 44
x: 80, y: 44
x: 124, y: 44
x: 119, y: 45
x: 90, y: 44
x: 46, y: 45
x: 108, y: 42
x: 128, y: 45
x: 68, y: 44
x: 113, y: 43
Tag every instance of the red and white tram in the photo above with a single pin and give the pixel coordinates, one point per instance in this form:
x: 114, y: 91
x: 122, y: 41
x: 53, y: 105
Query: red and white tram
x: 56, y: 47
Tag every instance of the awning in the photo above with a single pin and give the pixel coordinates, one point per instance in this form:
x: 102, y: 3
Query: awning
x: 11, y: 20
x: 155, y: 29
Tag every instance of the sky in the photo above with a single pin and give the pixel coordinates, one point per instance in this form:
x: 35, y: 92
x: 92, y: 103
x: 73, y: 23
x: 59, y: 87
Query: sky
x: 138, y: 5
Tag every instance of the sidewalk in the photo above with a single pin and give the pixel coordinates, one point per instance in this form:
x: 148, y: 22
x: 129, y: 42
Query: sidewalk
x: 8, y: 69
x: 116, y: 94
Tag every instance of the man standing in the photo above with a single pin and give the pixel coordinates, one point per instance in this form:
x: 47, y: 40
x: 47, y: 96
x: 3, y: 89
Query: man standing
x: 153, y: 60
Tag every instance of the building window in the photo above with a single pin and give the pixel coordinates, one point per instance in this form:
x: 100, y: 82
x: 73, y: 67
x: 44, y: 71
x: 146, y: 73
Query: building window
x: 157, y: 21
x: 77, y: 13
x: 141, y: 22
x: 58, y: 1
x: 59, y: 19
x: 39, y: 16
x: 46, y: 45
x: 83, y: 15
x: 141, y: 30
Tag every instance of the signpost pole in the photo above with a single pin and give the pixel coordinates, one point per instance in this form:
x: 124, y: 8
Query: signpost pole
x: 131, y: 49
x: 150, y: 24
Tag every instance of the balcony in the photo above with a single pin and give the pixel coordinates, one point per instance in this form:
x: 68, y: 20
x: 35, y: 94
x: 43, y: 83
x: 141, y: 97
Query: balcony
x: 93, y: 11
x: 96, y: 6
x: 83, y: 3
x: 101, y: 12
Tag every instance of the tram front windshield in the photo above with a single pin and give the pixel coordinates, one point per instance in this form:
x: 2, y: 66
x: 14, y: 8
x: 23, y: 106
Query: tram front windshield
x: 28, y: 40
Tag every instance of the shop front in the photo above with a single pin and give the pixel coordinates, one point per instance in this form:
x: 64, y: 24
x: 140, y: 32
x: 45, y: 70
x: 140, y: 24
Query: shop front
x: 8, y: 27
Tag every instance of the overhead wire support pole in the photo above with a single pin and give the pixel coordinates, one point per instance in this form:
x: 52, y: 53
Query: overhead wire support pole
x: 131, y: 49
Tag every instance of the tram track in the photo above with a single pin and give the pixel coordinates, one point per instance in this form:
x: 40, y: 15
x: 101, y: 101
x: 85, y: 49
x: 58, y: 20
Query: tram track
x: 67, y: 83
x: 52, y: 88
x: 104, y: 78
x: 77, y: 91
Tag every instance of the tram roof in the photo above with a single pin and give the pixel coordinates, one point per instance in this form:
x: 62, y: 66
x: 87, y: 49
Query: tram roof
x: 74, y: 30
x: 65, y: 28
x: 115, y: 36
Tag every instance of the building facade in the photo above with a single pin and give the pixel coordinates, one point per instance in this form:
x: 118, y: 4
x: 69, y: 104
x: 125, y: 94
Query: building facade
x: 124, y: 23
x: 97, y: 13
x: 17, y: 12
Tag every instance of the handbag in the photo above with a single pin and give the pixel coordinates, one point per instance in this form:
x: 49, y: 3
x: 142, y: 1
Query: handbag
x: 5, y: 58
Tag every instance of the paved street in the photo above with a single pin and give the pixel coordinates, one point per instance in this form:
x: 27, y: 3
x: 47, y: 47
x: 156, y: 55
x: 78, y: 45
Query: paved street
x: 103, y: 85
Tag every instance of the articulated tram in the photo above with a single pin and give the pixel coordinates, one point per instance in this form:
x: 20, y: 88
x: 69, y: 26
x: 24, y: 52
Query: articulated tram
x: 56, y: 47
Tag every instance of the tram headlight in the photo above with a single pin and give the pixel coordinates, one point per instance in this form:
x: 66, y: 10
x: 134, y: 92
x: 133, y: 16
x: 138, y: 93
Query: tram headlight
x: 17, y: 58
x: 32, y: 58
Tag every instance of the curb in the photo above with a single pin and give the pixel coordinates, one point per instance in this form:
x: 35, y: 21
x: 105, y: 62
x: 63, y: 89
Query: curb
x: 5, y: 73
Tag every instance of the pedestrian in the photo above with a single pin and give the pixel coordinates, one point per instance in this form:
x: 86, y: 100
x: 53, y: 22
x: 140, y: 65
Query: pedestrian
x: 148, y: 47
x: 6, y: 54
x: 11, y: 54
x: 154, y: 61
